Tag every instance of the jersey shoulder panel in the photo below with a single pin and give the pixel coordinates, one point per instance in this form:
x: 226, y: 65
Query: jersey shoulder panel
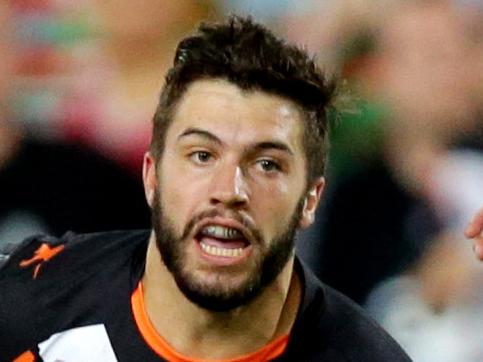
x: 349, y: 322
x: 33, y: 251
x: 52, y: 284
x: 330, y: 326
x: 41, y: 255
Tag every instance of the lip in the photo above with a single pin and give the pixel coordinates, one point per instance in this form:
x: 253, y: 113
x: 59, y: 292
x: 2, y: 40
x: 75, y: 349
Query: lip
x: 226, y: 222
x: 224, y: 260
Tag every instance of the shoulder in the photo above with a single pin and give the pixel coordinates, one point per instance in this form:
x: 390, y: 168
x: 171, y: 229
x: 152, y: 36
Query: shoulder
x: 330, y: 324
x: 50, y: 284
x: 67, y: 252
x: 355, y: 334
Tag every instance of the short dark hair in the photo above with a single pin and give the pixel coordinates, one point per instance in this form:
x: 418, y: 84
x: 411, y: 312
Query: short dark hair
x: 250, y: 56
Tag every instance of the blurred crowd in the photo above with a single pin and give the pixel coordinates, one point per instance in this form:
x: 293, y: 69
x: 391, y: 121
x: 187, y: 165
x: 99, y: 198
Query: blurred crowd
x: 79, y: 83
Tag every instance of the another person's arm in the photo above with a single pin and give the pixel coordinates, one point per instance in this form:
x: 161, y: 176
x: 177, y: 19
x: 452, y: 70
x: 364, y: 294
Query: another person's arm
x: 475, y: 231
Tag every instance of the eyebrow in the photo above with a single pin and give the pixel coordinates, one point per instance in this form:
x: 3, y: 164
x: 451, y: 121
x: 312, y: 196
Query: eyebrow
x: 200, y: 132
x: 273, y: 145
x: 265, y: 145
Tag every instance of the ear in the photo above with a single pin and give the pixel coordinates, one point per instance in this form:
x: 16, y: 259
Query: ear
x: 311, y: 202
x: 149, y: 177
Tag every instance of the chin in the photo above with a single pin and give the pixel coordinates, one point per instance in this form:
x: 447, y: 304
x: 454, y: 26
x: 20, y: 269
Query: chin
x: 218, y: 293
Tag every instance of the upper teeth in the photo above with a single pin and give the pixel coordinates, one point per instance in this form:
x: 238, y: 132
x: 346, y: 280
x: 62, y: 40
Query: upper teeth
x: 222, y: 232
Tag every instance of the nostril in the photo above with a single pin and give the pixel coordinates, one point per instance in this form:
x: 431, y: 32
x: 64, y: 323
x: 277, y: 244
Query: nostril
x: 229, y: 199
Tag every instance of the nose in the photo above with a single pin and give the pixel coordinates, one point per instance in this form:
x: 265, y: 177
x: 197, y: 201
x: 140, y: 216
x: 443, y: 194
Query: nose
x: 229, y: 188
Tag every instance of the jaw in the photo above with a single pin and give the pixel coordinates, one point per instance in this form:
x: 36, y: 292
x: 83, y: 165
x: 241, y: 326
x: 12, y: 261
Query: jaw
x: 264, y: 317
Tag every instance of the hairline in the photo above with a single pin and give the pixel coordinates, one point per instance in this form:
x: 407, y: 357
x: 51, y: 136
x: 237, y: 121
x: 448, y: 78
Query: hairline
x: 250, y: 88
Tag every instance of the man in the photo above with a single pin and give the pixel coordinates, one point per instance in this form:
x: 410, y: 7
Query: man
x: 235, y: 168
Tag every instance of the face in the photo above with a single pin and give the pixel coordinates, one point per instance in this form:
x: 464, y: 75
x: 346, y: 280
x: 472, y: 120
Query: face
x: 229, y: 192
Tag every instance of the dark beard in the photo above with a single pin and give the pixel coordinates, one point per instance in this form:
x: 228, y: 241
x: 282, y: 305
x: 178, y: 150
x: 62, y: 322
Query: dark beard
x: 266, y: 270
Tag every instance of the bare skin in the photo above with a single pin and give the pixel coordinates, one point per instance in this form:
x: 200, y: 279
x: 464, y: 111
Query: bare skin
x: 227, y: 149
x: 475, y: 231
x: 187, y: 327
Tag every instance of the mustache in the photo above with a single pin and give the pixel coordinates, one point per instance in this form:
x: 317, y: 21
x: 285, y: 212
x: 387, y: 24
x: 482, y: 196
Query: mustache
x: 246, y: 222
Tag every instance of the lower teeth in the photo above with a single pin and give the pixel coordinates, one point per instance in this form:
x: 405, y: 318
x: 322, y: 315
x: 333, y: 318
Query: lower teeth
x: 216, y: 251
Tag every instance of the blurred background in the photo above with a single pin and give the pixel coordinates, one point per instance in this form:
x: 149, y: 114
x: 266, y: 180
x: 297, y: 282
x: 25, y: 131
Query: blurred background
x: 79, y: 83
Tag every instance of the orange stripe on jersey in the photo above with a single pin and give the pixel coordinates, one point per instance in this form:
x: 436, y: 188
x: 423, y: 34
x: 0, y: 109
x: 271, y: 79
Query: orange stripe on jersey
x: 27, y: 356
x: 164, y: 350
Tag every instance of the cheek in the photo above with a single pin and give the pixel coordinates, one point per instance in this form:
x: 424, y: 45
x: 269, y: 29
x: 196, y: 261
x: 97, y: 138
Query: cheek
x: 274, y: 206
x: 180, y: 195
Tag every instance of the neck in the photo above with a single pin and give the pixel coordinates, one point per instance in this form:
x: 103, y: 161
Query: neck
x: 218, y: 335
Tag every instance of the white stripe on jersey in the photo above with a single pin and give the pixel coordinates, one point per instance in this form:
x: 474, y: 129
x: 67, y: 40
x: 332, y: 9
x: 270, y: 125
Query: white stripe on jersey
x: 90, y: 343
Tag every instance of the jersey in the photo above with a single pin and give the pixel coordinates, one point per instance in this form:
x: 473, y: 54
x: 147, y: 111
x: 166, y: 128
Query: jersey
x: 76, y: 298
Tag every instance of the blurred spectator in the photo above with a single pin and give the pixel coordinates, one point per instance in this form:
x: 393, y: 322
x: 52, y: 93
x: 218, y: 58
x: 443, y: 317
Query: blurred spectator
x: 434, y: 308
x: 410, y: 63
x: 408, y: 172
x: 52, y: 187
x: 115, y: 98
x: 48, y: 36
x: 270, y: 11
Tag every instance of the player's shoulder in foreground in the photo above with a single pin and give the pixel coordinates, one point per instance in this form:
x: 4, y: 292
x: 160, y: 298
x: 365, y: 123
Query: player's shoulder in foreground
x: 357, y: 335
x: 49, y: 284
x: 332, y: 327
x: 42, y: 256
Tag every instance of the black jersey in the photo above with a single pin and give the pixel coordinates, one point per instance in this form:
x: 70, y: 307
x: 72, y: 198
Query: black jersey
x: 71, y: 299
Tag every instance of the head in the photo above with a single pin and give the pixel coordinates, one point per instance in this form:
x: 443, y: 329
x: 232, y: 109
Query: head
x: 251, y: 57
x: 236, y: 161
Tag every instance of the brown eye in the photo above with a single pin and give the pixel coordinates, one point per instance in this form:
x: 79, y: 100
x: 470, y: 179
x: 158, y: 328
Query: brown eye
x: 269, y: 165
x: 201, y: 156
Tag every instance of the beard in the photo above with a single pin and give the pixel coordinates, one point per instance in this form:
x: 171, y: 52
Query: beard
x: 270, y: 262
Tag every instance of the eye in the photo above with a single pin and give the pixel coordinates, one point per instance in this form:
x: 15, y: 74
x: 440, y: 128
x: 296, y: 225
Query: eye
x: 201, y: 156
x: 269, y: 165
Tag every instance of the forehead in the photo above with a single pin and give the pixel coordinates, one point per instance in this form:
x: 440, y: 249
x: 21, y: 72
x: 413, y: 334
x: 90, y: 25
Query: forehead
x: 238, y: 115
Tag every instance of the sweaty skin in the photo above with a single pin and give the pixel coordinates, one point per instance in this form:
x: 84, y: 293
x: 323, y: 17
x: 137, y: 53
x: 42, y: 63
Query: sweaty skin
x: 233, y: 151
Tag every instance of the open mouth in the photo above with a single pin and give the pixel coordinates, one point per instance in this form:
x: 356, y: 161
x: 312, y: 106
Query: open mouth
x: 222, y: 241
